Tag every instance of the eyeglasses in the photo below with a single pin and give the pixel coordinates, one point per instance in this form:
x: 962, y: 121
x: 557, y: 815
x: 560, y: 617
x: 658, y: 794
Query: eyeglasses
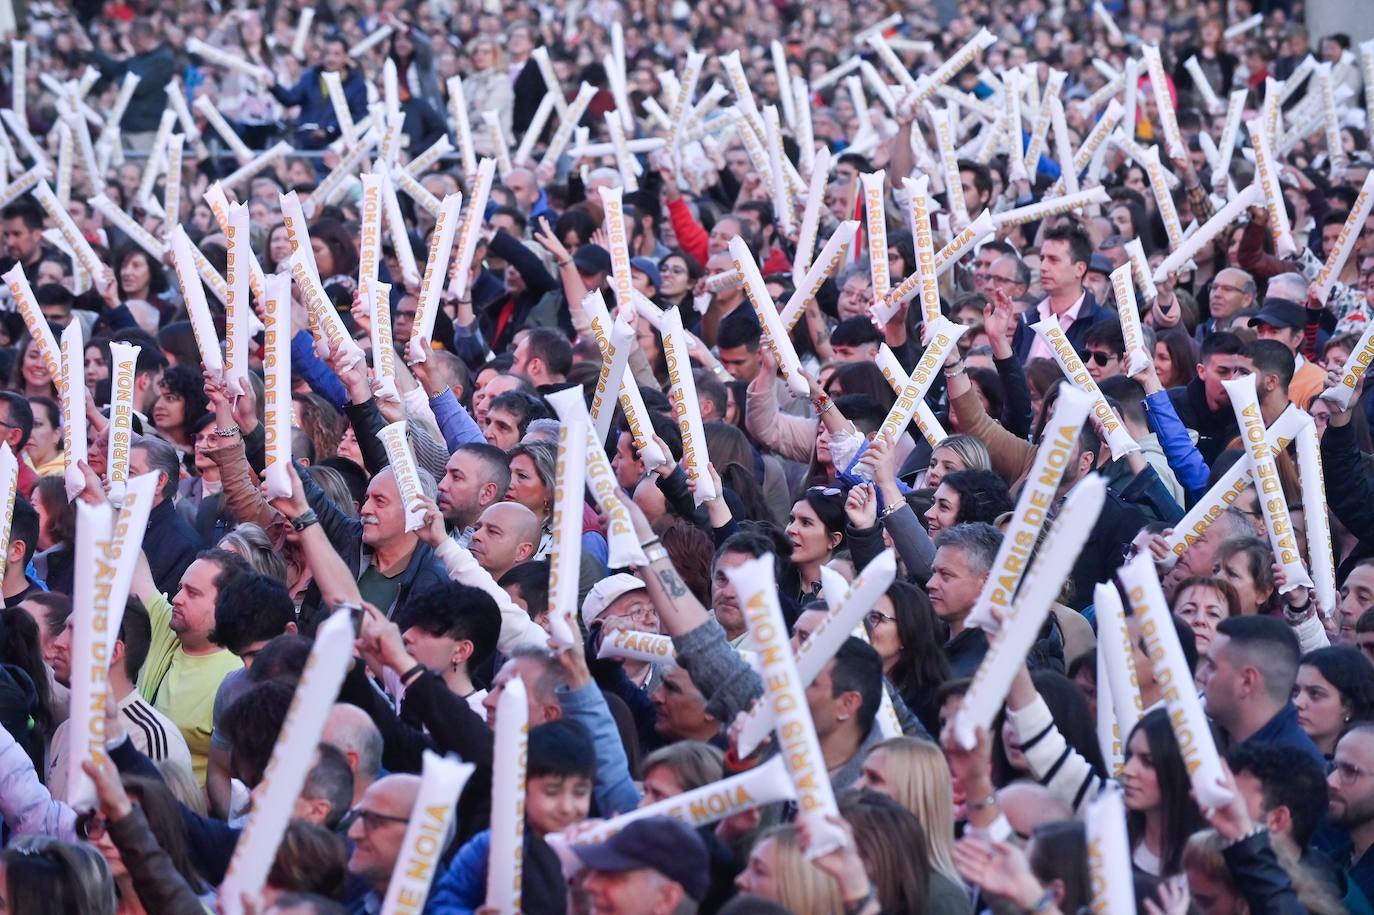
x: 875, y: 618
x: 371, y: 819
x: 993, y: 278
x: 1346, y: 772
x: 639, y: 612
x: 90, y: 826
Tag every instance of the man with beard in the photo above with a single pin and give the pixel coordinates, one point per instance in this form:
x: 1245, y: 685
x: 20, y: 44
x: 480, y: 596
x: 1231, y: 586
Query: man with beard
x: 477, y: 476
x: 1352, y: 804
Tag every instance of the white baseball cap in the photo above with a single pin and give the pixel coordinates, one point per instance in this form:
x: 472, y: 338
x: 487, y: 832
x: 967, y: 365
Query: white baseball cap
x: 606, y: 592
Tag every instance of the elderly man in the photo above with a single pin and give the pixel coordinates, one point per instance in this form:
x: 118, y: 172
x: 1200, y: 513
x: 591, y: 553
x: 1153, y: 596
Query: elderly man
x: 651, y: 867
x: 169, y: 543
x: 377, y: 829
x: 1233, y: 290
x: 387, y: 561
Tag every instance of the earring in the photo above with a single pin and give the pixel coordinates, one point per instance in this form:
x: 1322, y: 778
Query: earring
x: 842, y: 717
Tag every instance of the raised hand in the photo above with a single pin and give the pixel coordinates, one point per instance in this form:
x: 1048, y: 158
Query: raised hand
x: 861, y: 506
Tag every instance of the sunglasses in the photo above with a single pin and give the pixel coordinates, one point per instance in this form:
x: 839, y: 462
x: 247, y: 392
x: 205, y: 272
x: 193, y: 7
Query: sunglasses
x: 1097, y: 356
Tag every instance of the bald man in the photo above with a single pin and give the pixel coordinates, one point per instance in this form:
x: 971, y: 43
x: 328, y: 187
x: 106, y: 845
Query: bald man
x: 377, y: 831
x: 507, y: 534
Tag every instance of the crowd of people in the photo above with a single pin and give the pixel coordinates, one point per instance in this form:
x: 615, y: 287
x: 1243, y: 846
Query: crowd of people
x: 142, y: 117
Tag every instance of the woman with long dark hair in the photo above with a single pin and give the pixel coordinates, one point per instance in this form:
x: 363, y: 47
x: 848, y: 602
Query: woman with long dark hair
x: 815, y: 530
x: 1160, y: 813
x: 1335, y: 687
x: 910, y: 638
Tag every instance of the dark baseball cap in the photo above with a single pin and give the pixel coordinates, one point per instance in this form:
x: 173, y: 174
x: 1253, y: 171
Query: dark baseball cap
x: 592, y: 259
x: 664, y: 844
x: 1279, y: 312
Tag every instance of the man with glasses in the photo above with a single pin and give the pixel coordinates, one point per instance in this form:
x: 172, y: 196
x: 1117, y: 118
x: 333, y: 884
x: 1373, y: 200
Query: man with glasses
x: 16, y: 425
x: 1351, y: 807
x: 377, y: 829
x: 1007, y: 273
x: 621, y: 603
x: 1233, y: 290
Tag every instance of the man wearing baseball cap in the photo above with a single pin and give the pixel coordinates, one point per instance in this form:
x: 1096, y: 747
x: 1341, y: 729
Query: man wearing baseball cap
x: 1284, y: 318
x: 648, y: 868
x: 621, y: 602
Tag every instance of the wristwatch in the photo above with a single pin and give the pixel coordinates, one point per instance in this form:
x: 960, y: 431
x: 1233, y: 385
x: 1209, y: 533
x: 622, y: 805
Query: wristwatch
x: 304, y: 520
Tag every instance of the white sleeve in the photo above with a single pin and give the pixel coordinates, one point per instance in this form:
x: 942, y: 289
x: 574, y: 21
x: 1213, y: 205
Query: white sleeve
x: 516, y: 626
x: 1053, y: 763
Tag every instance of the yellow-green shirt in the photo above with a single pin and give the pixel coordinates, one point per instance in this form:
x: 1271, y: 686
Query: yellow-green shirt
x: 183, y: 686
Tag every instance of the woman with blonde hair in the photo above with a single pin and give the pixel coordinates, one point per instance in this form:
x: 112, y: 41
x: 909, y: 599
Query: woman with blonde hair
x: 778, y: 870
x: 914, y: 773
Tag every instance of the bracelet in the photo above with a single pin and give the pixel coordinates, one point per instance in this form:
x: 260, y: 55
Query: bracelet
x: 823, y: 405
x: 231, y: 432
x: 1044, y: 903
x: 656, y: 553
x: 984, y: 804
x: 955, y: 369
x: 562, y: 264
x: 891, y: 510
x: 858, y: 905
x: 650, y: 542
x: 414, y: 672
x: 304, y: 520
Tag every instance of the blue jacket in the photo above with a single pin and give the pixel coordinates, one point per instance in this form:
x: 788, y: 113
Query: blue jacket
x: 1088, y: 315
x: 316, y: 125
x: 463, y: 887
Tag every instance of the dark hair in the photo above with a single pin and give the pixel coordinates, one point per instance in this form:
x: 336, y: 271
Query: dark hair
x: 862, y: 378
x: 136, y: 632
x: 561, y: 747
x: 739, y: 328
x: 829, y: 508
x: 20, y: 413
x: 188, y: 384
x: 921, y: 664
x: 163, y: 813
x: 20, y: 645
x: 524, y: 407
x: 179, y: 339
x: 531, y: 579
x: 455, y: 611
x: 250, y: 725
x: 1179, y: 814
x: 855, y: 331
x: 311, y: 858
x: 1060, y: 853
x: 858, y: 668
x: 1271, y: 358
x: 1273, y: 647
x: 282, y: 659
x: 1289, y: 777
x: 1350, y: 673
x: 157, y: 277
x: 251, y: 608
x: 1069, y: 709
x: 1107, y: 332
x: 24, y: 209
x: 1080, y: 245
x: 550, y: 345
x: 24, y: 527
x: 982, y: 175
x: 1223, y: 343
x: 983, y: 495
x: 340, y: 243
x: 1182, y: 352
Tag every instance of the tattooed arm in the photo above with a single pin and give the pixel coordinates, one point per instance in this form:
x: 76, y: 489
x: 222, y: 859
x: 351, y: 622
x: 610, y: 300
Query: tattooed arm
x: 716, y: 669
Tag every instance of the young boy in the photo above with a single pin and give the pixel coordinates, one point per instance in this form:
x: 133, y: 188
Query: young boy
x: 561, y: 763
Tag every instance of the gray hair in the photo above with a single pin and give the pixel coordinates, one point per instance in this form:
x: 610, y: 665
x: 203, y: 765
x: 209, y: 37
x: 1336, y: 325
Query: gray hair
x: 979, y: 541
x: 162, y: 457
x: 542, y: 430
